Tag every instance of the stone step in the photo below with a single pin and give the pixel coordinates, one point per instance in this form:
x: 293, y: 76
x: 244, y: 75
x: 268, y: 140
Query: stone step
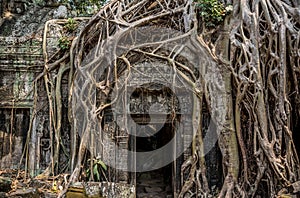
x: 152, y: 195
x: 152, y: 181
x: 152, y: 185
x: 153, y: 189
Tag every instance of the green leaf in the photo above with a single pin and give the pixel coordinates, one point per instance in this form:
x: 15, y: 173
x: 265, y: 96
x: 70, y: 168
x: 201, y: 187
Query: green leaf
x: 96, y: 172
x: 88, y: 173
x: 212, y: 12
x: 102, y: 164
x: 95, y: 169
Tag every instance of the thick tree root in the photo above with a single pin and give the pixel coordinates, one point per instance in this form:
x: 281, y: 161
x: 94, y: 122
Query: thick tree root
x: 257, y: 50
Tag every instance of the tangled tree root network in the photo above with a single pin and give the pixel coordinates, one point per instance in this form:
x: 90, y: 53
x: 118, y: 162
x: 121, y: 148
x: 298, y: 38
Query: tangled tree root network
x: 256, y: 52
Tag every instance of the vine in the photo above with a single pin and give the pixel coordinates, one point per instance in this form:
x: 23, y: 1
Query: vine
x: 257, y: 49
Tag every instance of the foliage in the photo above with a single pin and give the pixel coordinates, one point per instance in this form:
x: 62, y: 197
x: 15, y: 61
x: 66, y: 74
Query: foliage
x: 85, y: 7
x: 256, y: 144
x: 64, y: 43
x: 71, y: 25
x: 98, y: 169
x: 213, y: 12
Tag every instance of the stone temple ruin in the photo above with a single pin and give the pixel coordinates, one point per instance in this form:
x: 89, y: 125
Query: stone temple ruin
x: 150, y: 98
x: 21, y: 62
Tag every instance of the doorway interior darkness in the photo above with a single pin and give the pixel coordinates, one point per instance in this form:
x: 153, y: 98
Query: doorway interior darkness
x: 14, y: 124
x: 155, y: 183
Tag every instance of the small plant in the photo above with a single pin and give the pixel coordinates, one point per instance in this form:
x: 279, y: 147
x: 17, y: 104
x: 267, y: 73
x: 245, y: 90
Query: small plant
x: 212, y: 12
x: 64, y: 43
x: 54, y: 186
x: 98, y: 169
x: 89, y: 7
x: 71, y: 25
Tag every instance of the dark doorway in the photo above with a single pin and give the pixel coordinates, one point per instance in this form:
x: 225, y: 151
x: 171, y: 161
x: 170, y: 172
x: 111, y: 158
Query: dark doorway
x: 156, y: 183
x: 14, y: 124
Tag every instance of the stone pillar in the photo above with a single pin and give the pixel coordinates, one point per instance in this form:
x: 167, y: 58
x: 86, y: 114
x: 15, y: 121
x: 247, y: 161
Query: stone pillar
x: 32, y: 149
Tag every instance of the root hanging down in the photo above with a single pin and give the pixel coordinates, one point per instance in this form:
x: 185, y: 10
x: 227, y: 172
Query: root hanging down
x: 252, y: 59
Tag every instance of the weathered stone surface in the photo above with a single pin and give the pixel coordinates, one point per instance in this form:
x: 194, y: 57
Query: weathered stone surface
x: 61, y: 12
x: 11, y: 160
x: 101, y: 189
x: 75, y: 192
x: 152, y: 184
x: 50, y: 195
x: 110, y: 189
x: 25, y: 193
x: 25, y: 20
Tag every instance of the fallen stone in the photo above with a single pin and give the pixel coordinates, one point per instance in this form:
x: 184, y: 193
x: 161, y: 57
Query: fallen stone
x: 151, y: 195
x: 145, y: 176
x: 109, y: 189
x: 25, y: 193
x: 142, y: 195
x: 153, y: 189
x: 149, y: 184
x: 50, y: 195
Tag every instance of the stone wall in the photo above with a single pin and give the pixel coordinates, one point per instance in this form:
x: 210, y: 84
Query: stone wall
x: 20, y: 61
